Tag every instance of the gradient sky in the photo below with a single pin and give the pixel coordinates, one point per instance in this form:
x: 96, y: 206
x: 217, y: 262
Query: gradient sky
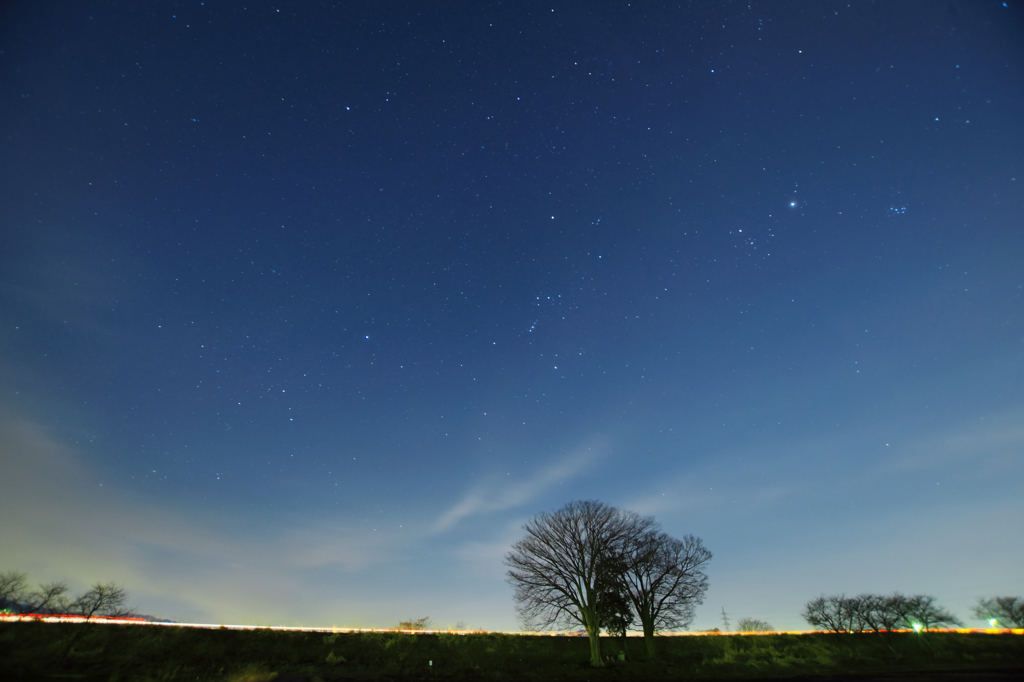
x: 305, y: 308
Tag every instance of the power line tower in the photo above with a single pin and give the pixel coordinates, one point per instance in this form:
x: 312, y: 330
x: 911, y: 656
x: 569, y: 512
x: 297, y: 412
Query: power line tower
x: 725, y: 621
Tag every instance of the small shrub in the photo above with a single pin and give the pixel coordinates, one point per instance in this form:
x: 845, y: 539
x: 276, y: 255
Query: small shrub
x: 754, y: 625
x: 415, y: 624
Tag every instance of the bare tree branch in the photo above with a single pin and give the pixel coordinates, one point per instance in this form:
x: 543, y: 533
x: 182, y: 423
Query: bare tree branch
x: 13, y: 591
x: 557, y: 568
x: 415, y: 624
x: 49, y: 598
x: 108, y: 600
x: 926, y: 613
x: 666, y: 580
x: 836, y: 613
x: 1007, y: 611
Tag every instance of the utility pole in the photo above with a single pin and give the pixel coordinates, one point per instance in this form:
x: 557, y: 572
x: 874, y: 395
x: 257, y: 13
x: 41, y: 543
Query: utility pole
x: 725, y: 621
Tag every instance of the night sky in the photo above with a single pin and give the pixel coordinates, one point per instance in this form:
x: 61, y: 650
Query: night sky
x: 305, y: 308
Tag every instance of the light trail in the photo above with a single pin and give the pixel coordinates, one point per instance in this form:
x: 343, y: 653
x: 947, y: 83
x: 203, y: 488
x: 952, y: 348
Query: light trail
x: 29, y: 617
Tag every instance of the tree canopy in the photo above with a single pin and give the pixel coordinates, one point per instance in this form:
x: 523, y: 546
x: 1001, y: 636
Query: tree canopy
x: 596, y: 566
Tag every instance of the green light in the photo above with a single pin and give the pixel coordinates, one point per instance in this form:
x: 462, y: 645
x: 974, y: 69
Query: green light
x: 917, y: 627
x: 992, y: 622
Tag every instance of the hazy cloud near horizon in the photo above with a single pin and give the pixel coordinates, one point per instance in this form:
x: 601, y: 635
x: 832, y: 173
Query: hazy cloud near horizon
x: 213, y: 572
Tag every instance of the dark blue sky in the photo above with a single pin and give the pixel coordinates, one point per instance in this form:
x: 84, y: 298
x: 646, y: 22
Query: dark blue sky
x: 305, y: 308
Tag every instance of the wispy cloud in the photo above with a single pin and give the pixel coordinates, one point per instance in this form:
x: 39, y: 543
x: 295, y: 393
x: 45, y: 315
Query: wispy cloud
x: 846, y: 464
x: 495, y: 497
x: 990, y: 443
x: 56, y: 276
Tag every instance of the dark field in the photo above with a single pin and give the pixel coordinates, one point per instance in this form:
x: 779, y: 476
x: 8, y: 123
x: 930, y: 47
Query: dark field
x: 32, y: 652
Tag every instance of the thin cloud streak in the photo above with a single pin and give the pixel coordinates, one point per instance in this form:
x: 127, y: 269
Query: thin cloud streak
x: 488, y: 499
x: 988, y: 445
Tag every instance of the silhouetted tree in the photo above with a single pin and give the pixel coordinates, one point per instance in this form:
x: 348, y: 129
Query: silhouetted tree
x: 883, y: 613
x: 1008, y: 611
x: 50, y: 598
x: 415, y: 624
x: 13, y: 591
x: 925, y: 612
x: 47, y: 599
x: 666, y: 580
x: 561, y: 567
x: 108, y: 600
x: 836, y: 613
x: 614, y: 606
x: 754, y: 625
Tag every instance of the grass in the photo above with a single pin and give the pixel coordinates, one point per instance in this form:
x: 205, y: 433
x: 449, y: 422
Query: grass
x: 33, y: 652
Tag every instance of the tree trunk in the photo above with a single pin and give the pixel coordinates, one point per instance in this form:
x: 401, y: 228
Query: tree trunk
x: 649, y: 640
x: 595, y: 647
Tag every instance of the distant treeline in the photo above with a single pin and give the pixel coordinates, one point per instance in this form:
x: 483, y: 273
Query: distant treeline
x: 885, y: 613
x: 102, y: 599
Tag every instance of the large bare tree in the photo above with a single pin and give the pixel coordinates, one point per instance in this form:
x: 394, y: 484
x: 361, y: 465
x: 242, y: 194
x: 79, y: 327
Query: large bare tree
x: 665, y: 580
x: 560, y: 568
